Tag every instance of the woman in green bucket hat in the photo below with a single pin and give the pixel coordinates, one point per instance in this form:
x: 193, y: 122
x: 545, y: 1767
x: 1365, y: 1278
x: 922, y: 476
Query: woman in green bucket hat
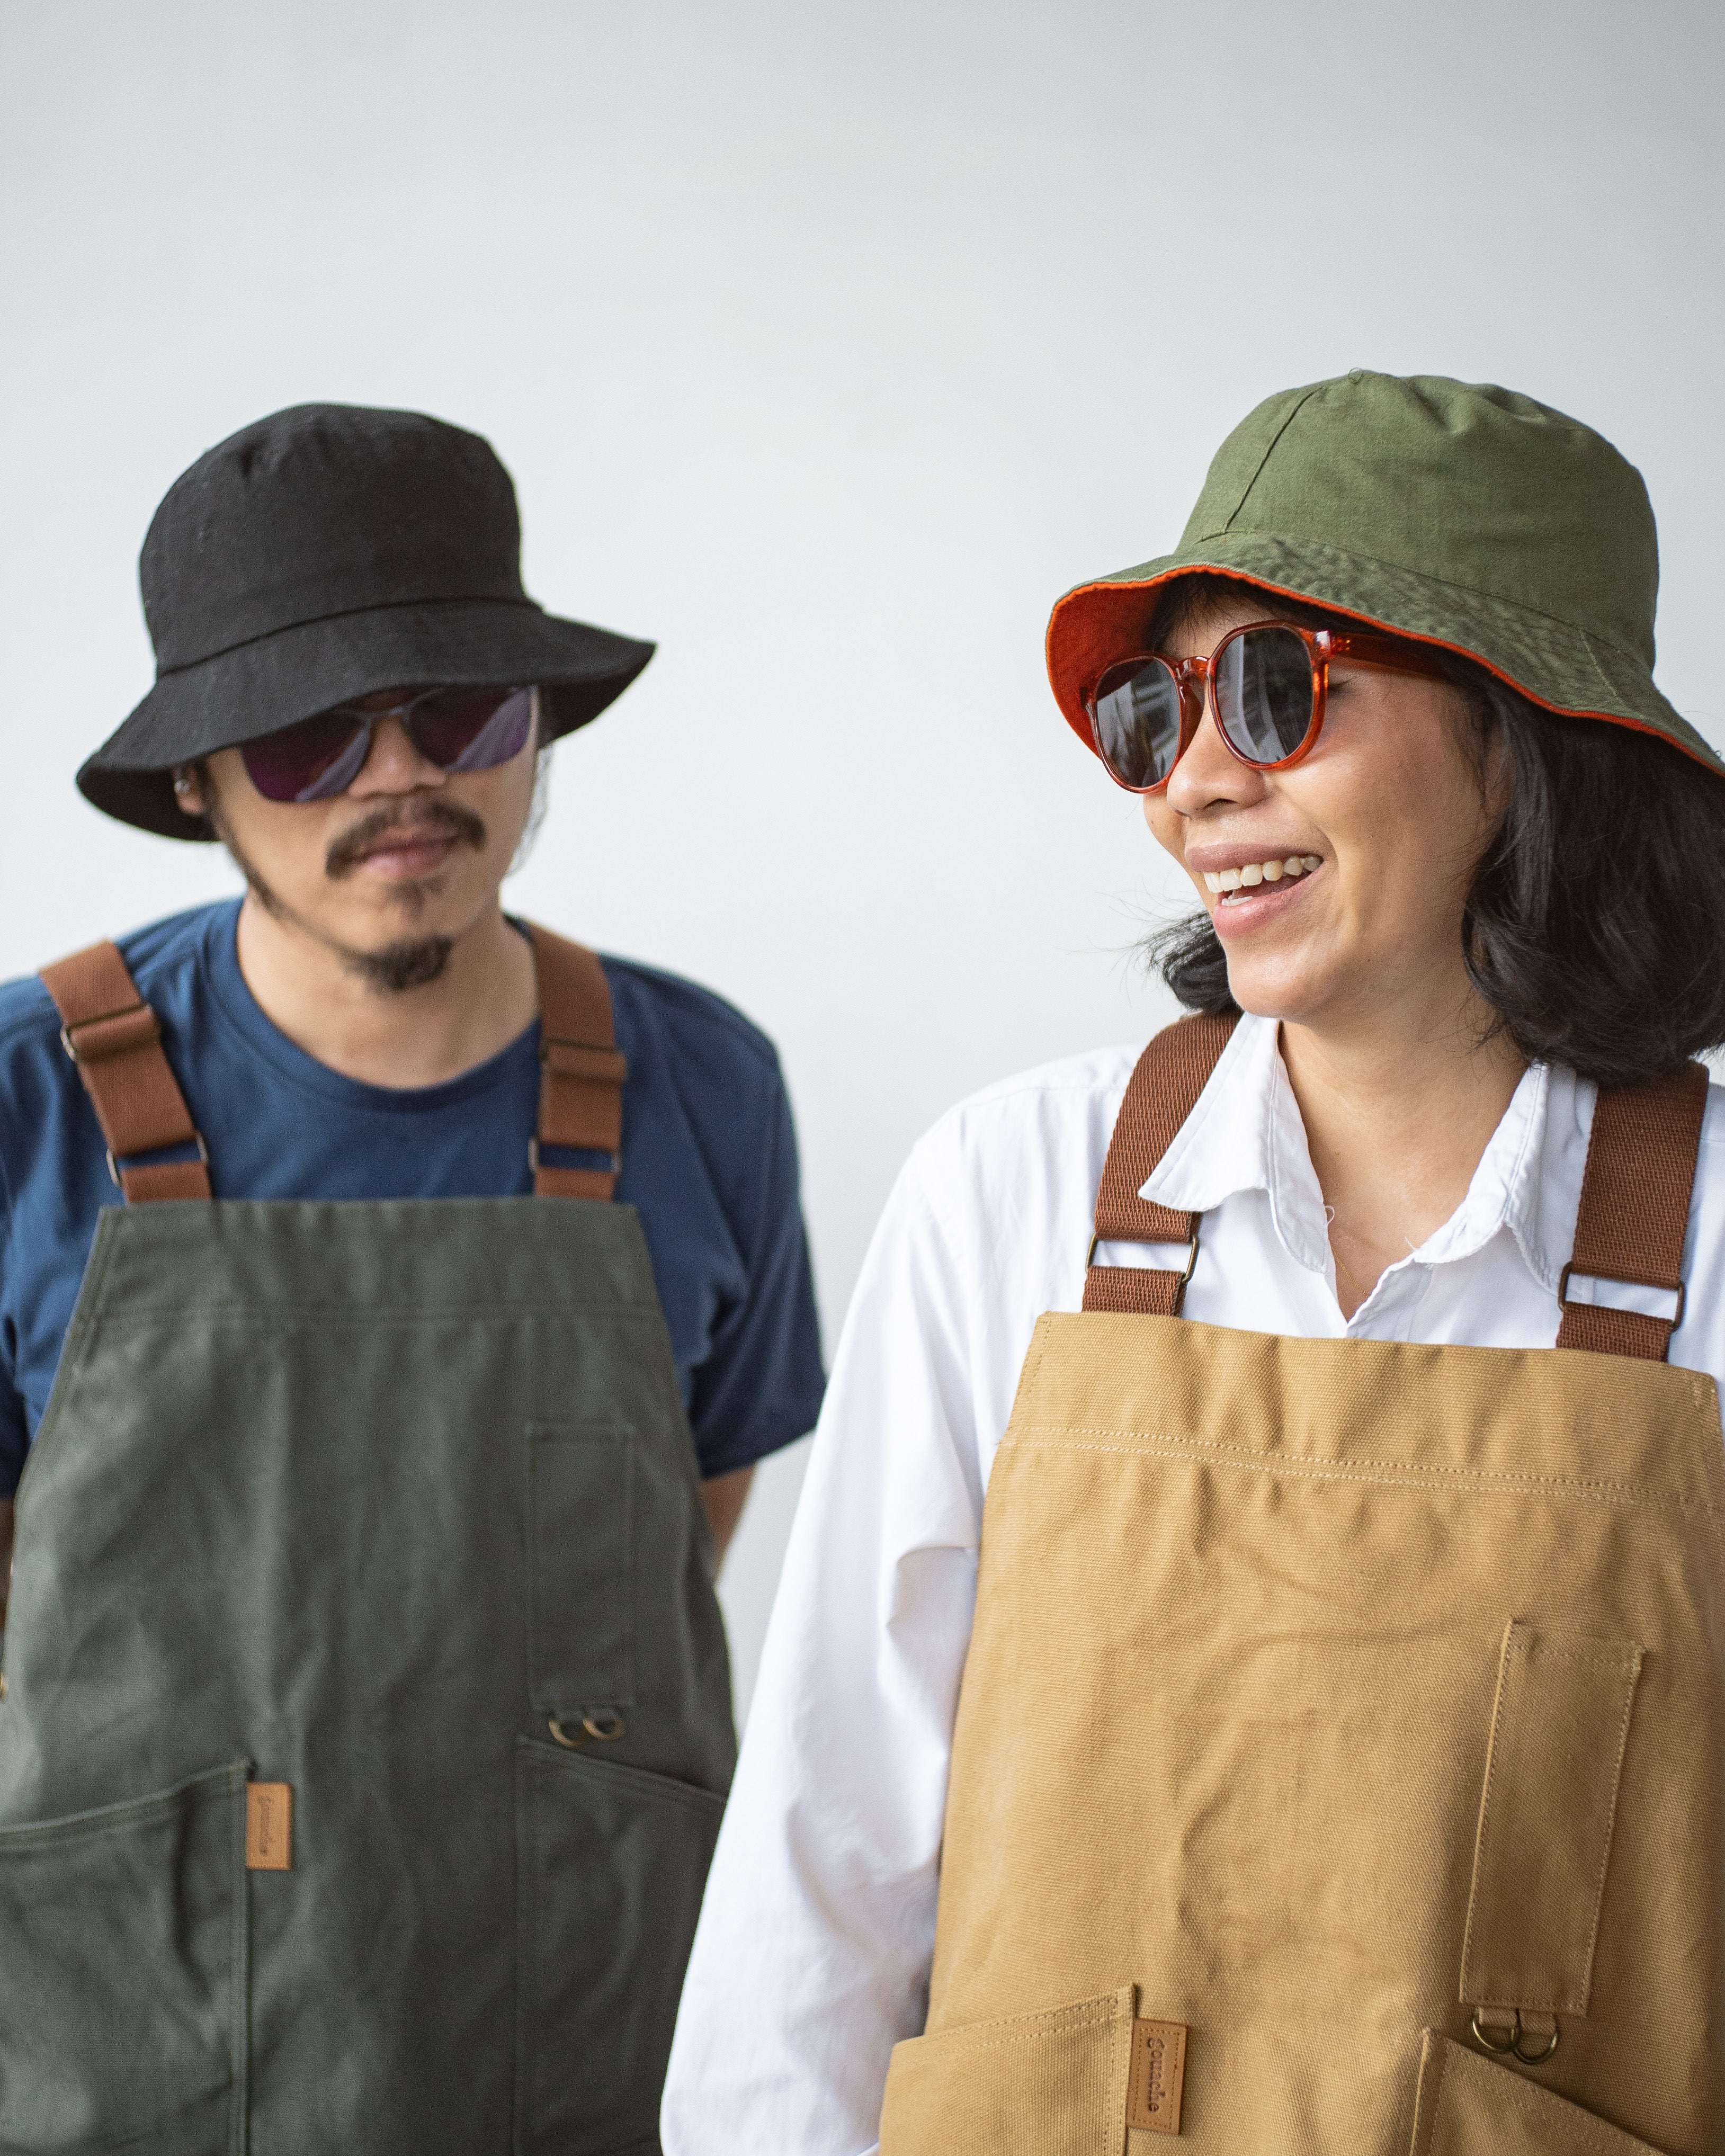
x: 1313, y: 1743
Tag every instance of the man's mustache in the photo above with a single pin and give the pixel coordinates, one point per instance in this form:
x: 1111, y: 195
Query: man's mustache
x: 440, y: 818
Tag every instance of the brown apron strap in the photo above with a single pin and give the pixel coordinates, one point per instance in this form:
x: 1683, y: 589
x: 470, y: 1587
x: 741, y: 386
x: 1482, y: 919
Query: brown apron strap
x: 112, y: 1035
x: 1634, y: 1209
x: 581, y: 1070
x: 1163, y: 1090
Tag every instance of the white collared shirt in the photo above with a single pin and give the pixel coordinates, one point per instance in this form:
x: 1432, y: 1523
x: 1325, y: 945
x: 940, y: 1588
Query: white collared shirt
x: 813, y: 1954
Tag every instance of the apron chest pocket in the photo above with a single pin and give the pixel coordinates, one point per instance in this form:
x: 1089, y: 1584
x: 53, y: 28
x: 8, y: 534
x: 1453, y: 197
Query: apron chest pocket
x: 122, y: 1975
x: 580, y: 1567
x: 610, y: 1864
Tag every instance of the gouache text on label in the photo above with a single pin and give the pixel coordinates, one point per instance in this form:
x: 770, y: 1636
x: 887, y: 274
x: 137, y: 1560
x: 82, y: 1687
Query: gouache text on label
x: 1158, y: 2076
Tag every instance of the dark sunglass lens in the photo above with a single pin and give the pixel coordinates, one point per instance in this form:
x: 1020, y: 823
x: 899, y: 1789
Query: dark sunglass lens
x: 1136, y: 715
x: 309, y: 760
x: 1263, y: 691
x: 471, y: 729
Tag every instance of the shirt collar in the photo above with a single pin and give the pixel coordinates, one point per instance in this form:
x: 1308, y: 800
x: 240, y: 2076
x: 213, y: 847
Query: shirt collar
x: 1244, y: 1133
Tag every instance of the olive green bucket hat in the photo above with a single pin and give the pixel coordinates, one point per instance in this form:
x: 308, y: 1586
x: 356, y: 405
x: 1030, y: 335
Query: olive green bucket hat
x: 1452, y: 512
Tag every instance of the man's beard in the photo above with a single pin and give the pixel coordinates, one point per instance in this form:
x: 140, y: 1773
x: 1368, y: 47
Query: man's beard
x: 412, y: 962
x: 409, y: 962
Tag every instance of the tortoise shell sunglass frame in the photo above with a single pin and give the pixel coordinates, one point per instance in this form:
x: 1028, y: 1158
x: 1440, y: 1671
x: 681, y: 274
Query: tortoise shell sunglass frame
x: 1266, y: 681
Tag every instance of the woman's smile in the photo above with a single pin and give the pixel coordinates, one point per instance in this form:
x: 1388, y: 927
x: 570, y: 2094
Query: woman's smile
x: 1249, y: 886
x: 1248, y: 875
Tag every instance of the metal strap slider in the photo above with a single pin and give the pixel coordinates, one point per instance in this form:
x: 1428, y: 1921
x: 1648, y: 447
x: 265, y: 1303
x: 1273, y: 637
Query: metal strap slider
x: 615, y: 1158
x: 1623, y: 1280
x: 136, y: 1160
x: 1096, y: 1241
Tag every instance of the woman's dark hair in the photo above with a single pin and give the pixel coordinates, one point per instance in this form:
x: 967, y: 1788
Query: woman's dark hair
x: 1595, y: 925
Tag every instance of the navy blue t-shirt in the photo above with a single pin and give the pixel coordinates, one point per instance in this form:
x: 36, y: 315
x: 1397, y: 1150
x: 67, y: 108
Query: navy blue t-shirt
x: 709, y: 1161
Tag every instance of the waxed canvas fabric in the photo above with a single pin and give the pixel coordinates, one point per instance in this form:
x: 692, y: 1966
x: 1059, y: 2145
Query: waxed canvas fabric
x: 1248, y: 1726
x: 1460, y: 513
x: 321, y: 554
x: 357, y: 1497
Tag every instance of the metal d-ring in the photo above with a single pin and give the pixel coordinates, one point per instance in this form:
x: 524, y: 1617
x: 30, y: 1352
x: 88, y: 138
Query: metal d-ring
x: 1512, y: 2044
x: 605, y: 1728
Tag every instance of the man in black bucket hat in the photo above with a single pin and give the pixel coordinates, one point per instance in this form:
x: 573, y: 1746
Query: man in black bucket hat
x: 319, y: 555
x: 384, y: 1283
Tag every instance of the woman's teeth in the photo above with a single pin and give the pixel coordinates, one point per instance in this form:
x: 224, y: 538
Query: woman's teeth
x: 1257, y: 872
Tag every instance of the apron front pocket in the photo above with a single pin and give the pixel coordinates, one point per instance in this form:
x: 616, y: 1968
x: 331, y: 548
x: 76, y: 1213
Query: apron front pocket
x: 610, y: 1864
x: 1051, y: 2084
x: 1470, y: 2105
x: 123, y: 1975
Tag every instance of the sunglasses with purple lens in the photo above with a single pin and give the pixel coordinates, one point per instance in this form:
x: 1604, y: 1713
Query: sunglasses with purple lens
x: 457, y: 729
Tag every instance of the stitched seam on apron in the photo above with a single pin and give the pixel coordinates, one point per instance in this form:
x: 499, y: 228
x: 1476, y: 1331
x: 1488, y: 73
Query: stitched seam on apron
x: 1443, y: 2075
x: 88, y: 1318
x: 1586, y: 1661
x: 1092, y: 2018
x: 1028, y: 1374
x: 1593, y: 1936
x: 1592, y: 2131
x: 1393, y: 1473
x: 239, y: 1968
x: 1485, y: 1803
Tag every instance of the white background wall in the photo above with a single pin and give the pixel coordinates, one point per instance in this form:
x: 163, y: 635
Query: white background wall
x: 828, y: 344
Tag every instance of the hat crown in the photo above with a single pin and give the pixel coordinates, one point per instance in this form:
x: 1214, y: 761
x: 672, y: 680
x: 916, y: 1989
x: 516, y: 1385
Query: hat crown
x: 1463, y: 483
x: 320, y: 510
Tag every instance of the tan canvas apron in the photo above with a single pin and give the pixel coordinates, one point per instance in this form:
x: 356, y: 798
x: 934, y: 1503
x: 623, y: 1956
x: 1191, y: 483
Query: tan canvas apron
x: 1337, y: 1764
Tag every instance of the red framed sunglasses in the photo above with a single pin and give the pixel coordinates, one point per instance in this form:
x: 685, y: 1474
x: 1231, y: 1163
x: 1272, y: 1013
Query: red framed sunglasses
x: 1267, y: 683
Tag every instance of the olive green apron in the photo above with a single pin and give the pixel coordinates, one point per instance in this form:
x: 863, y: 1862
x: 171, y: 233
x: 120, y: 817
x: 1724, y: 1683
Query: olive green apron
x: 1337, y: 1762
x: 366, y: 1719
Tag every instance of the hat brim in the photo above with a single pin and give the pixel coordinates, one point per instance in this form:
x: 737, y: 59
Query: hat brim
x: 238, y: 695
x: 1551, y: 662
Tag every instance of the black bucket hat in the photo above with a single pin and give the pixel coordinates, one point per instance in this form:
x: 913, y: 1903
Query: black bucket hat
x: 322, y: 554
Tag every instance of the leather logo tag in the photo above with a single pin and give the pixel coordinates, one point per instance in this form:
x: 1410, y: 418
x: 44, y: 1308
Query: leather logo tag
x: 1159, y: 2075
x: 269, y: 1826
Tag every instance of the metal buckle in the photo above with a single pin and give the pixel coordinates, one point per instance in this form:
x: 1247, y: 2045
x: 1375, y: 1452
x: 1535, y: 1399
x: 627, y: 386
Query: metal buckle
x: 1510, y: 2046
x: 1191, y: 1253
x: 616, y: 1167
x: 135, y: 1159
x: 1623, y: 1280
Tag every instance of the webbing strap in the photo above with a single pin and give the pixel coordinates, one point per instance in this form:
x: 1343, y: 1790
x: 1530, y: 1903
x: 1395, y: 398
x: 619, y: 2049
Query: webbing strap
x: 581, y: 1070
x: 111, y: 1034
x: 1634, y: 1209
x: 1163, y: 1091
